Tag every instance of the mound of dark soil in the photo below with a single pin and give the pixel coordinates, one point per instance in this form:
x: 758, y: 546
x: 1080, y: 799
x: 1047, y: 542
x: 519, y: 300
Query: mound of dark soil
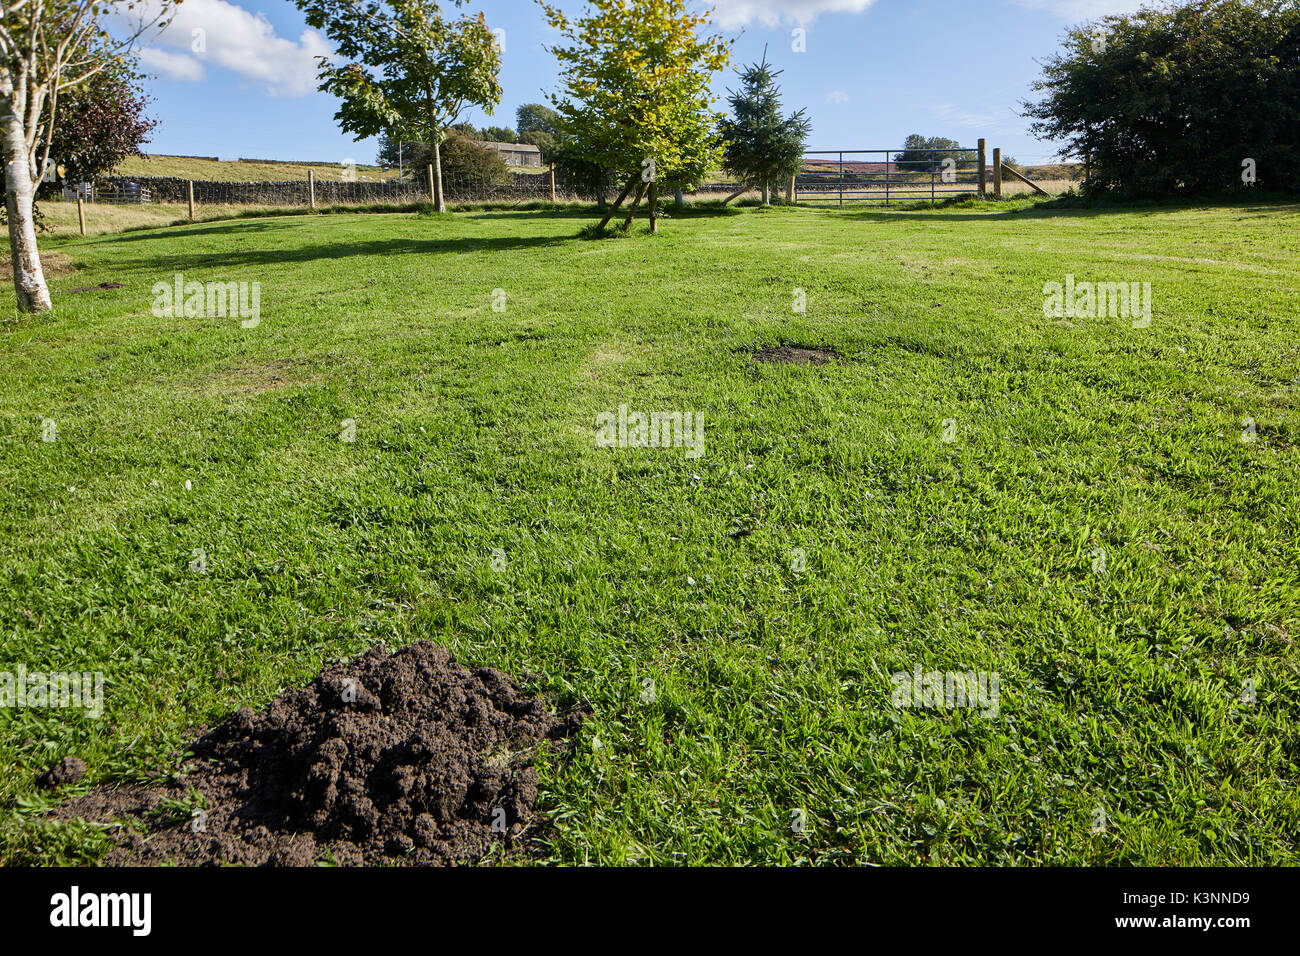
x: 67, y: 771
x: 97, y: 288
x: 403, y: 757
x: 794, y: 355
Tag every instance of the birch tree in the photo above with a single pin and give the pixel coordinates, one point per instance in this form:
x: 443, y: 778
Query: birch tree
x: 47, y: 47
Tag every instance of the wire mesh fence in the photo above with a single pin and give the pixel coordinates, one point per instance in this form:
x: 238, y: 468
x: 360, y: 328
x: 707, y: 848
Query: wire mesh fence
x: 511, y: 188
x: 884, y: 177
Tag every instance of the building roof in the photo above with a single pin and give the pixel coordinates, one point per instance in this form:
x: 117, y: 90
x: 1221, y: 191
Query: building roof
x: 519, y: 147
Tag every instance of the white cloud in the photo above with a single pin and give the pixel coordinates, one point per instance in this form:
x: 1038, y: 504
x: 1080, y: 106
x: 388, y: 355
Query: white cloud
x: 733, y: 14
x: 174, y: 66
x: 958, y: 117
x: 837, y: 96
x: 1077, y: 11
x: 237, y: 40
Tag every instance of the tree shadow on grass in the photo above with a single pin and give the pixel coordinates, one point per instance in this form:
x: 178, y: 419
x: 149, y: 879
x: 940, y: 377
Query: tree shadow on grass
x: 215, y: 227
x: 387, y: 248
x: 941, y: 216
x: 480, y: 215
x: 265, y: 225
x: 706, y: 210
x: 593, y: 214
x: 347, y: 248
x: 1073, y: 209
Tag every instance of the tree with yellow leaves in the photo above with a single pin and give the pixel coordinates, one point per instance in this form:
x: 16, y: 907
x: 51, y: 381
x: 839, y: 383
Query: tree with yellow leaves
x: 636, y: 97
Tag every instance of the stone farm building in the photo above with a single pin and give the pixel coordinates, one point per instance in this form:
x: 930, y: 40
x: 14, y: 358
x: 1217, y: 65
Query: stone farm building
x: 516, y: 154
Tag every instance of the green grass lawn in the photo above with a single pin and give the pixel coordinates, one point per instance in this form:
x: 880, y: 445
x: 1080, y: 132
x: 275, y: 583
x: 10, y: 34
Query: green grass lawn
x: 828, y: 537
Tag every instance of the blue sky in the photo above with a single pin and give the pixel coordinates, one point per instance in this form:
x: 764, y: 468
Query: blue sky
x: 873, y: 71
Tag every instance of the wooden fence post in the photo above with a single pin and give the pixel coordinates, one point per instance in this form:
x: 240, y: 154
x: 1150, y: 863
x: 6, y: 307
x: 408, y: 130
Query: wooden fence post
x: 553, y: 182
x: 81, y: 214
x: 997, y: 172
x: 432, y: 197
x: 311, y: 187
x: 982, y: 157
x: 789, y: 192
x: 190, y: 190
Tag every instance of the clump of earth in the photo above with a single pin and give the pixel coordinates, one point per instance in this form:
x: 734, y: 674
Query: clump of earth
x: 67, y: 771
x: 794, y: 355
x: 389, y: 758
x: 96, y: 288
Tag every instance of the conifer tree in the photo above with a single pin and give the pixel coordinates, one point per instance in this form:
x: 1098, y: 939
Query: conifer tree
x: 762, y: 146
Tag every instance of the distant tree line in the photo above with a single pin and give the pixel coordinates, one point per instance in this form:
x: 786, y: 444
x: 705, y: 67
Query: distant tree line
x: 923, y: 154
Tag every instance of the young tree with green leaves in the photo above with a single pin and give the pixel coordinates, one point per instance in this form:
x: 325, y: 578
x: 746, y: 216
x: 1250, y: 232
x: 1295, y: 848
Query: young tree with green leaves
x: 408, y: 70
x: 636, y: 95
x: 761, y: 145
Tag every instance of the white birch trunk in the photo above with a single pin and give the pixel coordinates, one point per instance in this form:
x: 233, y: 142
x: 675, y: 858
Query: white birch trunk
x: 20, y: 193
x: 439, y: 200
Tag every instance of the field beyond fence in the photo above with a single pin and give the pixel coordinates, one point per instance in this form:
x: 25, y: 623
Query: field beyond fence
x: 126, y: 201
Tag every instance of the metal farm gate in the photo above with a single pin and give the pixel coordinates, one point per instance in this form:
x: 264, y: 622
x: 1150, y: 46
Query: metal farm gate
x: 889, y: 176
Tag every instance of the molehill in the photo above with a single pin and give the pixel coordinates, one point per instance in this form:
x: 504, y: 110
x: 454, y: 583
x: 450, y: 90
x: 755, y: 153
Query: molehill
x: 389, y: 758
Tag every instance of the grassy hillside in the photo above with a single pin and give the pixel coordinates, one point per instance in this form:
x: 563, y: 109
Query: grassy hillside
x: 217, y: 171
x: 1076, y: 505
